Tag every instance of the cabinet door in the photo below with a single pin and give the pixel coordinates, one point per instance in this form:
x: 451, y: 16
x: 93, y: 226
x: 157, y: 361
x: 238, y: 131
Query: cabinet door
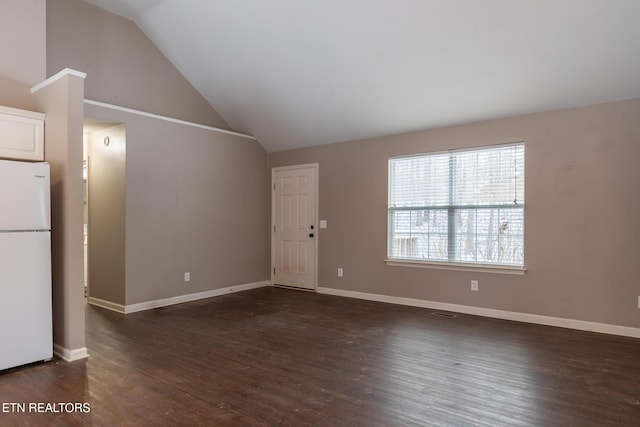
x: 21, y: 134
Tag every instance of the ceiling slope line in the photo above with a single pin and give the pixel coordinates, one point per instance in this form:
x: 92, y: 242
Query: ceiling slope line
x: 167, y: 119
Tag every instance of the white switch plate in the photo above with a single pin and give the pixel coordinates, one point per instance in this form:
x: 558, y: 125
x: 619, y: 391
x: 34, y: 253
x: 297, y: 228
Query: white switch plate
x: 187, y: 277
x: 474, y: 285
x: 340, y: 272
x: 323, y: 223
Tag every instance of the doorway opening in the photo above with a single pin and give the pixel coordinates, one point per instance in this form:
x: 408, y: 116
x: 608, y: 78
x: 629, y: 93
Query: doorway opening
x: 104, y: 158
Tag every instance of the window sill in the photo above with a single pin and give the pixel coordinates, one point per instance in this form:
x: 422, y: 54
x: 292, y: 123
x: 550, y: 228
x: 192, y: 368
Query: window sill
x: 498, y: 269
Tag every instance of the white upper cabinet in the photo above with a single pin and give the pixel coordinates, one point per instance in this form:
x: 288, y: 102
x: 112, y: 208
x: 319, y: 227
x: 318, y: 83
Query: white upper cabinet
x: 21, y: 134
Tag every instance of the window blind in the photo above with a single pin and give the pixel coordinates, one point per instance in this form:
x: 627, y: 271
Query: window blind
x: 462, y: 206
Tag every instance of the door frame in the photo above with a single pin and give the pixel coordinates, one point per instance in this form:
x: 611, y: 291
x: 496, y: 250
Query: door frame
x: 274, y: 170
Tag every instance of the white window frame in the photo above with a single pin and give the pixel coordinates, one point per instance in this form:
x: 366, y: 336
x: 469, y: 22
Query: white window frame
x: 449, y: 264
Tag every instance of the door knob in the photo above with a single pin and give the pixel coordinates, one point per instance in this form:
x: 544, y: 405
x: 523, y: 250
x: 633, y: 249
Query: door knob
x: 311, y: 235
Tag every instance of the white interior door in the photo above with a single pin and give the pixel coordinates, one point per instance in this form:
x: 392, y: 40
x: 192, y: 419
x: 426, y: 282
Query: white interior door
x: 295, y: 228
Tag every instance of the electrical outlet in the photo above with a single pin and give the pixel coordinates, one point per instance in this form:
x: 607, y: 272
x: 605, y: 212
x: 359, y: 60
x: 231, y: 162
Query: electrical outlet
x: 187, y: 277
x: 340, y: 272
x: 474, y: 285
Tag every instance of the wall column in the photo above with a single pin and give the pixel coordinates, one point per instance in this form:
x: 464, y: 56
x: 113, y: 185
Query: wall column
x: 61, y: 98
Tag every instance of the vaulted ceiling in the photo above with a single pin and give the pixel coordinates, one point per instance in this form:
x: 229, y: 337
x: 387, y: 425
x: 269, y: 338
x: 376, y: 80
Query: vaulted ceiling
x: 296, y: 73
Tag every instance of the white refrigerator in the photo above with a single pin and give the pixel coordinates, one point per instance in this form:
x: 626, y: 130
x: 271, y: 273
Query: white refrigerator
x: 26, y: 334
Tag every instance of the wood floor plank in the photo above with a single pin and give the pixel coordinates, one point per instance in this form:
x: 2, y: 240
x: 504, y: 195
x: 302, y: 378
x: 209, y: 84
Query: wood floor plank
x: 277, y: 357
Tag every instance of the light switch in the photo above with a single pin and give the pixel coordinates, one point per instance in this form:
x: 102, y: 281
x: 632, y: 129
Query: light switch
x: 323, y: 223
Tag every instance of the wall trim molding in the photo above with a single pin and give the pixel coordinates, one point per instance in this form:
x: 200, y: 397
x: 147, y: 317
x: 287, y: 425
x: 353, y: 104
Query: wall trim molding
x: 56, y: 77
x: 149, y: 305
x: 119, y: 308
x: 580, y: 325
x: 166, y: 118
x: 70, y: 355
x: 133, y: 308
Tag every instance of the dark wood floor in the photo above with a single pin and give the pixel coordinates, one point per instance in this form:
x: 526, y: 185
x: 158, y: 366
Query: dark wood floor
x: 280, y: 357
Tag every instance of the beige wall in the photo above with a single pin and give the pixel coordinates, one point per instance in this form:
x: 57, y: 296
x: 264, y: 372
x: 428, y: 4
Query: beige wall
x: 582, y: 206
x: 62, y: 102
x: 195, y: 202
x: 107, y: 181
x: 123, y: 67
x: 22, y: 50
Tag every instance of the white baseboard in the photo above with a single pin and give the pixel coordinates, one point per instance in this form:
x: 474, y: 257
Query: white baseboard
x: 149, y: 305
x: 106, y: 304
x: 70, y: 355
x: 488, y: 312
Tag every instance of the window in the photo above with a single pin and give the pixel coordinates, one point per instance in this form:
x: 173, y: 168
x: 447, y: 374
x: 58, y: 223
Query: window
x: 458, y: 207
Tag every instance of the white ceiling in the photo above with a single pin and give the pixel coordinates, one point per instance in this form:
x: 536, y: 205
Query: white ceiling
x: 304, y: 72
